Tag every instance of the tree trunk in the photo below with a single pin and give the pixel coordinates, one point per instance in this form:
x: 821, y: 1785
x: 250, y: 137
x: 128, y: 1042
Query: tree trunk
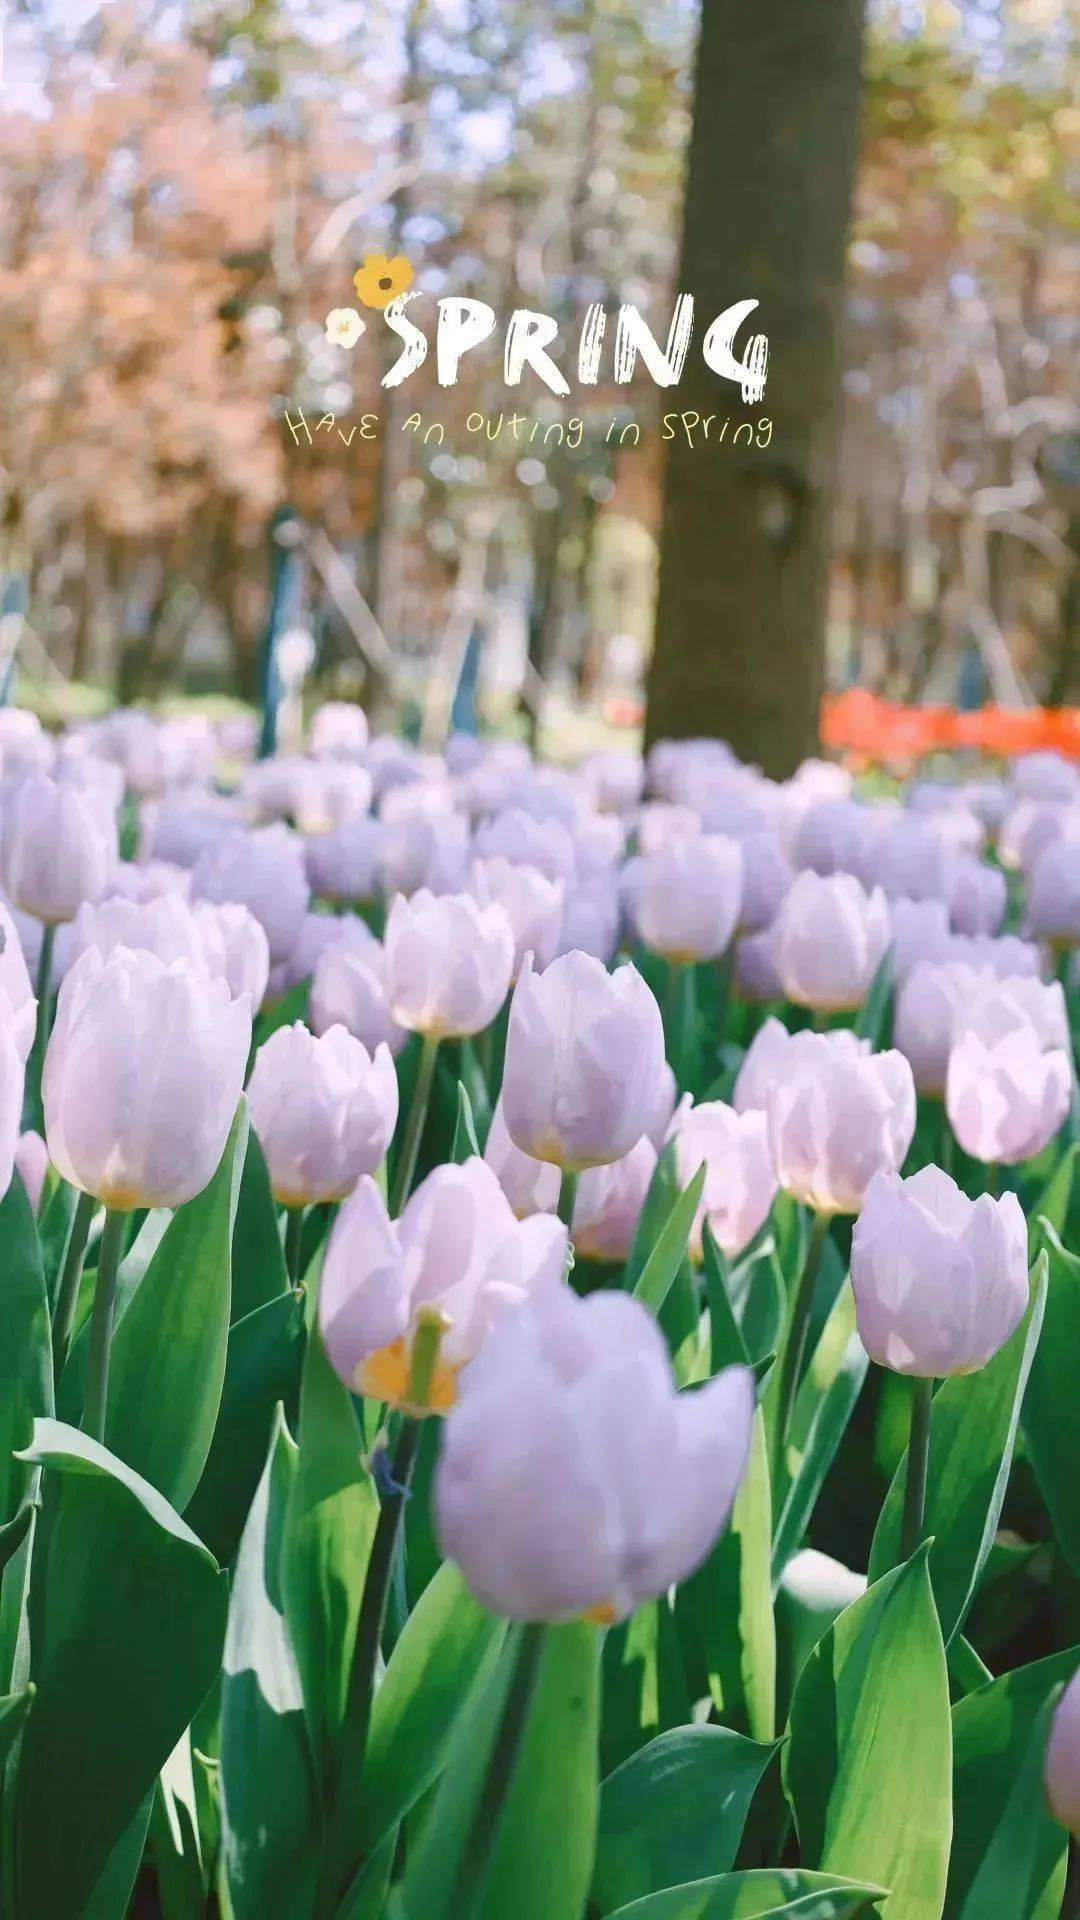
x: 745, y: 541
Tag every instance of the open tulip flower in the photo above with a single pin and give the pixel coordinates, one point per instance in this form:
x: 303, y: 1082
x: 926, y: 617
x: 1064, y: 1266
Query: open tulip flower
x: 1006, y: 1099
x: 838, y: 1114
x: 457, y: 1260
x: 829, y: 941
x: 449, y: 963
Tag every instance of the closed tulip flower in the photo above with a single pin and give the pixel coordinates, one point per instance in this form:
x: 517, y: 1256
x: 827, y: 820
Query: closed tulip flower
x: 1006, y: 1100
x: 263, y: 871
x: 608, y: 1203
x: 532, y: 903
x: 235, y: 948
x: 1053, y: 900
x: 57, y: 848
x: 740, y: 1180
x: 829, y: 939
x: 1062, y: 1768
x: 143, y: 1075
x: 345, y: 864
x: 834, y: 836
x: 767, y: 879
x: 448, y: 963
x: 531, y: 1186
x: 925, y: 1015
x: 920, y: 931
x: 573, y: 1479
x: 940, y: 1281
x: 584, y: 1061
x: 516, y: 835
x: 763, y: 1066
x: 591, y: 919
x: 753, y: 974
x: 422, y: 850
x: 687, y: 897
x: 997, y: 1007
x: 457, y: 1257
x: 838, y: 1115
x: 32, y: 1165
x: 165, y: 926
x: 15, y: 988
x: 349, y: 990
x: 324, y: 1110
x: 339, y: 731
x: 978, y: 898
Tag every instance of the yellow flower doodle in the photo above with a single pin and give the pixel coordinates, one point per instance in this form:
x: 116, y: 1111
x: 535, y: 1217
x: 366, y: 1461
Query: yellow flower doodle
x: 379, y: 280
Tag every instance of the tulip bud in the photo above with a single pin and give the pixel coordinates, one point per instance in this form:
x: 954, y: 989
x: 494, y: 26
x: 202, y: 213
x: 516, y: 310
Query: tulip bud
x: 349, y: 990
x: 236, y: 948
x: 833, y: 836
x: 540, y: 1493
x: 920, y: 931
x: 1006, y: 1100
x: 165, y: 926
x: 57, y: 848
x: 978, y: 898
x: 532, y: 903
x: 829, y: 939
x: 32, y: 1165
x: 516, y: 836
x: 608, y: 1203
x: 762, y: 1067
x: 584, y: 1061
x: 753, y: 974
x: 344, y: 864
x: 838, y: 1115
x: 1062, y: 1767
x: 910, y: 862
x: 590, y: 922
x: 424, y: 851
x: 448, y: 963
x: 1053, y: 901
x: 687, y: 897
x: 263, y: 871
x: 740, y: 1180
x: 143, y: 1075
x: 456, y: 1251
x: 15, y: 987
x: 531, y: 1186
x: 924, y: 1019
x: 940, y: 1281
x: 324, y: 1110
x: 767, y: 879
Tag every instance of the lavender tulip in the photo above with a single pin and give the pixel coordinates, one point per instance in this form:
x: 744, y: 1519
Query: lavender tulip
x: 608, y: 1203
x: 531, y: 1186
x: 324, y: 1110
x: 448, y: 963
x: 143, y: 1075
x: 349, y: 990
x: 838, y: 1114
x: 15, y: 988
x: 584, y: 1054
x: 57, y: 848
x: 740, y: 1179
x: 978, y: 898
x: 263, y: 871
x: 1006, y: 1100
x: 573, y: 1479
x: 925, y: 1015
x: 32, y: 1165
x: 457, y: 1257
x: 687, y: 897
x: 829, y: 939
x: 345, y: 864
x: 516, y: 835
x: 940, y: 1280
x: 532, y: 903
x: 236, y: 948
x: 1053, y: 901
x: 1061, y: 1770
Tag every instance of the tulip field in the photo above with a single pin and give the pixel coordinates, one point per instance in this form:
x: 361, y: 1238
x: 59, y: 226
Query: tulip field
x: 539, y: 1331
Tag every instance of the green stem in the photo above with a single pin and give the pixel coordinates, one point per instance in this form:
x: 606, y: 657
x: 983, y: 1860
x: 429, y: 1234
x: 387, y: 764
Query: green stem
x: 43, y: 989
x: 340, y: 1858
x: 67, y: 1293
x: 918, y: 1458
x: 294, y: 1232
x: 568, y: 1186
x: 414, y: 1126
x: 993, y: 1178
x: 791, y: 1363
x: 476, y: 1855
x: 101, y: 1324
x: 1070, y: 1906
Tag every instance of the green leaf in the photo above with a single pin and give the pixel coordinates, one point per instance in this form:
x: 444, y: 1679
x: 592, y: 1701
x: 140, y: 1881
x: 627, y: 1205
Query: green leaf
x: 868, y: 1765
x: 543, y: 1857
x: 823, y: 1407
x: 329, y: 1526
x: 447, y: 1648
x: 26, y: 1384
x: 1053, y: 1203
x: 112, y: 1893
x: 127, y: 1617
x: 873, y: 1019
x: 262, y: 1367
x: 465, y: 1143
x: 778, y: 1893
x: 674, y: 1812
x: 657, y: 1276
x: 973, y: 1428
x: 258, y: 1259
x: 168, y: 1353
x: 724, y: 1611
x: 1052, y: 1405
x: 1007, y: 1849
x: 268, y: 1809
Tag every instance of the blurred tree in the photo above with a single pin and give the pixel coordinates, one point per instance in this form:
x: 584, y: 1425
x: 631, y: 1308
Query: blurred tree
x: 745, y: 543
